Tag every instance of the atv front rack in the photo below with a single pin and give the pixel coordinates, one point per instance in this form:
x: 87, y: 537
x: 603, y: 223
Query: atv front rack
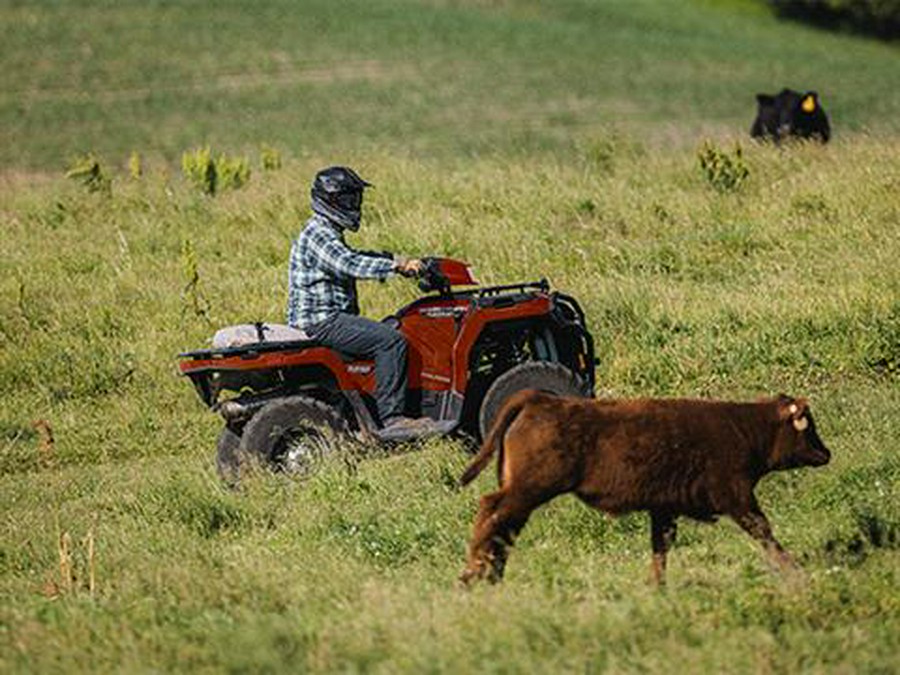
x: 542, y: 286
x: 502, y: 296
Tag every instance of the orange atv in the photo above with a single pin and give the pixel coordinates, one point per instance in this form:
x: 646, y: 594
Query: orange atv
x: 285, y: 398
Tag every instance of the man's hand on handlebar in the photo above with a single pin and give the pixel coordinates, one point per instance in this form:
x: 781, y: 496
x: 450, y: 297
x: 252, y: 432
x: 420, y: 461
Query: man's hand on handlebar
x: 408, y: 267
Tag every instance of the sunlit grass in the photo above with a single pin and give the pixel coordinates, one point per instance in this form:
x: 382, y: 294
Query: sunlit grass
x: 445, y: 79
x: 784, y: 285
x: 532, y: 140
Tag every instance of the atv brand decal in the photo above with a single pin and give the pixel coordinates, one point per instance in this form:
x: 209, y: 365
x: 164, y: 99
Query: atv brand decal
x: 360, y: 369
x: 442, y: 312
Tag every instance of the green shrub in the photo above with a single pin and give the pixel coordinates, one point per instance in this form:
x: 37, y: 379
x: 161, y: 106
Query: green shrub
x: 135, y: 165
x: 200, y: 169
x: 234, y: 172
x: 726, y: 173
x: 210, y: 174
x: 269, y: 158
x: 88, y: 170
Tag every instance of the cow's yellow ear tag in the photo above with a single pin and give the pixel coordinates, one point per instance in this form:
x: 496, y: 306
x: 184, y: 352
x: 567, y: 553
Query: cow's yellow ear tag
x: 809, y: 104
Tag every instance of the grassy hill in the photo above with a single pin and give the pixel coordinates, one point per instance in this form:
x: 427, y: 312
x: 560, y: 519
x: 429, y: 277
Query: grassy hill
x: 531, y: 139
x: 444, y: 78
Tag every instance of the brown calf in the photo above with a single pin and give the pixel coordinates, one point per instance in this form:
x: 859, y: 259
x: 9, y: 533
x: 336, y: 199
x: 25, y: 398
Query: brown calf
x: 671, y: 457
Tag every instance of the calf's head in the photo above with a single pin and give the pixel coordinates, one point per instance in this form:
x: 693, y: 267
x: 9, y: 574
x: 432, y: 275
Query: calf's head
x: 796, y: 441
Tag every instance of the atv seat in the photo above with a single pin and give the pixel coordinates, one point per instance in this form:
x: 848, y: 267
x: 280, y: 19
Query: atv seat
x: 260, y: 337
x: 255, y: 333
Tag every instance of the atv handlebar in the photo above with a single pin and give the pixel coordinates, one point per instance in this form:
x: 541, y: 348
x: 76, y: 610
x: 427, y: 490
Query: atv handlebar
x: 439, y: 274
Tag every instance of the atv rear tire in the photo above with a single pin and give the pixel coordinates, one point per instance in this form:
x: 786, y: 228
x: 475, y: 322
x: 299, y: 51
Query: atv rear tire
x: 547, y: 376
x: 228, y: 458
x: 292, y: 435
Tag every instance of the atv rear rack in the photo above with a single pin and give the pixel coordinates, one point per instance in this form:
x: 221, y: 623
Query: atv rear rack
x: 249, y: 350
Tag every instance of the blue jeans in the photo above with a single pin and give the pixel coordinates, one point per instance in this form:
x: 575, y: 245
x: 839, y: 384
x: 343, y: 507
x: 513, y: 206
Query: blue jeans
x: 363, y: 338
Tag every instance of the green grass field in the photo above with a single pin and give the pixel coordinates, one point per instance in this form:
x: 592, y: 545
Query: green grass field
x: 531, y: 139
x: 444, y: 78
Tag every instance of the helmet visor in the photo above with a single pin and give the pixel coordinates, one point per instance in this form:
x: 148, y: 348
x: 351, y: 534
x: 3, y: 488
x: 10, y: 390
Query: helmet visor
x: 349, y: 201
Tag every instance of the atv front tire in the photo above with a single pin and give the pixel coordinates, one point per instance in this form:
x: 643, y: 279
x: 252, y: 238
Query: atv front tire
x: 546, y: 376
x: 292, y: 435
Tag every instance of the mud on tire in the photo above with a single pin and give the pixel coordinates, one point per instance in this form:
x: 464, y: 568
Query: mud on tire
x: 292, y: 434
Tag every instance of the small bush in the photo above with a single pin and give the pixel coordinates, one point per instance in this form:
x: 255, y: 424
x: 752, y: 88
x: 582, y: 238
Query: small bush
x: 610, y: 152
x: 210, y: 174
x: 88, y: 170
x: 269, y: 158
x: 725, y: 172
x: 200, y: 169
x: 234, y: 172
x: 135, y: 165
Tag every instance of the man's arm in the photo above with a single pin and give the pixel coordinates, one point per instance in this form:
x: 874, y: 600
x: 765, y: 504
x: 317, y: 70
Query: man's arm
x: 337, y: 258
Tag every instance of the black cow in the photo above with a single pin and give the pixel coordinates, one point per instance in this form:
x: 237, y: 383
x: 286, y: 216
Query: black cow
x: 790, y: 113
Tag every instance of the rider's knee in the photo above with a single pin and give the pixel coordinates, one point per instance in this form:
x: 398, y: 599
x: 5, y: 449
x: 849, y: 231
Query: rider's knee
x: 397, y: 342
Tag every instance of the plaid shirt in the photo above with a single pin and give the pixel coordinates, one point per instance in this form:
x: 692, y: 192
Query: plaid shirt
x: 323, y: 273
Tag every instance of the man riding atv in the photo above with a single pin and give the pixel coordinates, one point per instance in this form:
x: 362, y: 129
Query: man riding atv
x: 323, y: 301
x: 453, y: 355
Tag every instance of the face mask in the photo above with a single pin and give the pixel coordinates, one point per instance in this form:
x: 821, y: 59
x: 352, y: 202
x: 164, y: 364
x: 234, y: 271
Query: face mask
x: 349, y: 201
x: 347, y: 219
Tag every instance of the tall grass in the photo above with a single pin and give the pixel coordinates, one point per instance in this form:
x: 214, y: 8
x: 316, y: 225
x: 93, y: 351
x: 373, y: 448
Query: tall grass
x: 559, y: 140
x: 786, y: 284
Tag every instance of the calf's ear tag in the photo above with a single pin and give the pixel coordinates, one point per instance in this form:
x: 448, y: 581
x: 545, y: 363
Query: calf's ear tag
x: 809, y: 104
x: 801, y: 424
x: 793, y: 409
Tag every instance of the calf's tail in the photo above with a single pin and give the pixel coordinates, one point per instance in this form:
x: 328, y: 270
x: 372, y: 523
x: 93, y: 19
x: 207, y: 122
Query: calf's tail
x: 494, y: 440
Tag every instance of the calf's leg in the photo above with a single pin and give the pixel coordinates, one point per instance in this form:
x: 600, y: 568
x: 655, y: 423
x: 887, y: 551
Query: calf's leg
x: 662, y: 535
x: 754, y: 522
x: 482, y: 548
x: 501, y: 517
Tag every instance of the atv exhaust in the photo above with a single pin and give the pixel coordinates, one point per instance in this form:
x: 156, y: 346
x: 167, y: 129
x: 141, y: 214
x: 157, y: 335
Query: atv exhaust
x: 234, y: 410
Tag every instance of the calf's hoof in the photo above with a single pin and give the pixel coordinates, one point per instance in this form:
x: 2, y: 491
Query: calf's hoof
x: 466, y: 578
x: 472, y: 573
x: 782, y: 562
x: 481, y: 571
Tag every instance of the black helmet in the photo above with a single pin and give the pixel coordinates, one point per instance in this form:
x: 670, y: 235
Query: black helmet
x: 337, y: 194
